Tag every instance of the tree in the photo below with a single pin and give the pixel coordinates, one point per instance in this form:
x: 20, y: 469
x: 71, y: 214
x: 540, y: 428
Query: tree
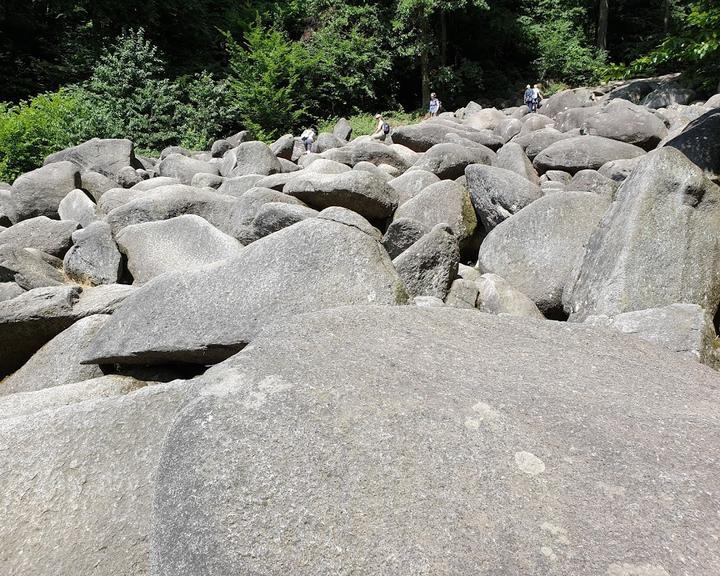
x: 602, y: 24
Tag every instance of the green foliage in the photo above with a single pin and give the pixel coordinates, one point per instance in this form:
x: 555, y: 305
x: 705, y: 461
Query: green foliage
x: 564, y: 52
x: 31, y: 130
x: 364, y: 124
x: 206, y: 111
x: 128, y: 97
x: 270, y: 80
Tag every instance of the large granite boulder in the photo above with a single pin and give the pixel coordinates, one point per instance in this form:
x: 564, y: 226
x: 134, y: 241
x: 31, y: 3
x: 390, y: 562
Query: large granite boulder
x: 53, y: 237
x: 584, y: 152
x: 28, y: 269
x: 659, y: 244
x: 184, y: 168
x: 699, y: 141
x: 567, y: 99
x: 414, y: 440
x: 78, y: 207
x: 621, y: 120
x: 411, y: 183
x: 39, y: 193
x: 58, y: 361
x: 94, y: 257
x: 497, y: 193
x: 104, y: 156
x: 537, y: 248
x: 183, y: 243
x: 357, y: 190
x: 448, y: 161
x: 250, y: 158
x: 78, y: 484
x: 208, y: 314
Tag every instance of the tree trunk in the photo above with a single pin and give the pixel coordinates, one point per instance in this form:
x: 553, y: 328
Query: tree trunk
x: 443, y: 38
x: 424, y: 61
x: 602, y: 23
x: 666, y: 16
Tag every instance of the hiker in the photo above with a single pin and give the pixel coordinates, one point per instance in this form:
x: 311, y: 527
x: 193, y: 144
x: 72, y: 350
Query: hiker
x: 536, y: 98
x: 528, y: 97
x: 382, y: 129
x: 308, y: 138
x: 435, y: 105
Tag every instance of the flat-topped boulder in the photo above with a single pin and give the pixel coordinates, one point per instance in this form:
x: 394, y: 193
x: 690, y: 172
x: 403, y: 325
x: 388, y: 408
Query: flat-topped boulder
x: 584, y: 152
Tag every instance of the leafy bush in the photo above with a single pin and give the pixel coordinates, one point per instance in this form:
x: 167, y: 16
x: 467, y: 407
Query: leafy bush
x: 31, y: 130
x: 364, y: 124
x: 270, y: 80
x: 206, y: 111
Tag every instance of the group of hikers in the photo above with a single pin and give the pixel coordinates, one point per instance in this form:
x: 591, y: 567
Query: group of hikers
x: 532, y: 99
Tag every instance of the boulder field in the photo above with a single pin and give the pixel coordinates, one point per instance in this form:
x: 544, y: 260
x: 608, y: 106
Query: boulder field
x: 487, y: 345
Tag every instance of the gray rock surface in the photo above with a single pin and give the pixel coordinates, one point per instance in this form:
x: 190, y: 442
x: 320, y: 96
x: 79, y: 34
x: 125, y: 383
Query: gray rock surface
x: 512, y: 157
x: 443, y: 203
x: 429, y: 266
x: 106, y: 157
x: 448, y: 161
x: 364, y: 193
x: 411, y: 183
x: 592, y: 181
x: 184, y: 169
x: 38, y: 193
x: 497, y: 194
x: 127, y: 177
x: 497, y: 296
x: 327, y: 141
x: 512, y: 443
x: 183, y: 243
x: 377, y: 153
x: 78, y: 207
x: 250, y: 158
x: 584, y: 152
x: 50, y: 236
x: 565, y: 100
x: 699, y: 141
x: 206, y: 315
x: 8, y: 291
x: 621, y: 120
x: 683, y: 328
x: 204, y: 180
x: 536, y: 249
x: 619, y: 170
x: 508, y: 128
x: 30, y: 320
x: 350, y: 218
x: 283, y: 147
x: 58, y: 361
x: 78, y: 484
x: 219, y: 147
x: 343, y: 130
x: 667, y: 95
x: 94, y: 257
x: 238, y: 185
x: 659, y: 244
x: 401, y: 234
x: 274, y: 216
x: 27, y: 269
x: 96, y: 184
x: 535, y: 142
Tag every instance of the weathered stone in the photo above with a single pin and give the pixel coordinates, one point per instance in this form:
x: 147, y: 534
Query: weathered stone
x: 592, y: 181
x: 206, y: 315
x: 343, y: 130
x: 477, y: 138
x: 462, y: 294
x: 377, y: 153
x: 485, y: 119
x: 8, y: 291
x: 634, y: 91
x: 440, y: 441
x: 536, y: 249
x: 250, y: 158
x: 497, y: 296
x: 27, y: 269
x: 283, y: 146
x: 683, y: 328
x: 183, y: 168
x: 508, y: 128
x: 659, y: 244
x: 513, y: 158
x: 350, y: 218
x: 238, y: 185
x: 38, y: 193
x: 50, y: 236
x: 96, y: 184
x: 443, y: 203
x: 411, y: 183
x: 274, y: 216
x: 429, y: 266
x: 627, y: 122
x: 403, y: 233
x: 534, y: 122
x: 584, y: 152
x: 575, y: 118
x: 152, y: 183
x: 205, y: 180
x: 565, y: 100
x: 183, y: 243
x: 327, y: 141
x: 421, y: 137
x: 448, y: 161
x: 219, y: 147
x: 535, y: 142
x: 497, y: 193
x: 619, y: 170
x: 94, y: 258
x: 373, y: 169
x: 667, y: 95
x: 78, y: 484
x: 364, y: 193
x: 106, y: 157
x: 78, y: 207
x: 58, y: 361
x: 127, y: 177
x: 699, y: 141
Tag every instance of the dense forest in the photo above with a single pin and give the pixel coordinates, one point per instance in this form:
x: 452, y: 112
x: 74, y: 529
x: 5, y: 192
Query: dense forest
x: 177, y: 72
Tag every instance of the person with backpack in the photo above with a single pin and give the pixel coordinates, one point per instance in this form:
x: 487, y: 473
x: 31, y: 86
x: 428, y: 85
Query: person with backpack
x: 435, y: 105
x: 308, y: 138
x: 382, y: 129
x: 528, y: 97
x: 536, y: 98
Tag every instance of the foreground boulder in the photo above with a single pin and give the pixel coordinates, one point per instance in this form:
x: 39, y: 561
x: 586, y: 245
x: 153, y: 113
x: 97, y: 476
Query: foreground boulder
x: 584, y: 152
x: 497, y: 193
x: 448, y: 161
x: 53, y: 237
x: 28, y: 269
x: 39, y: 193
x: 659, y: 244
x: 78, y: 484
x: 699, y: 141
x: 208, y: 314
x: 184, y: 169
x: 536, y: 249
x: 440, y: 441
x: 94, y: 257
x: 621, y: 120
x: 183, y: 243
x: 107, y: 157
